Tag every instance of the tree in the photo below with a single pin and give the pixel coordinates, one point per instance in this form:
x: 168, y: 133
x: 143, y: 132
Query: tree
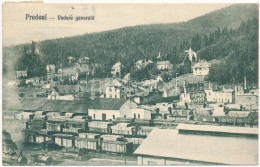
x: 31, y: 61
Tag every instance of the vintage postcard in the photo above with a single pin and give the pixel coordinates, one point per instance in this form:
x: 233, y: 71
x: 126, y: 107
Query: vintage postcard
x: 108, y: 84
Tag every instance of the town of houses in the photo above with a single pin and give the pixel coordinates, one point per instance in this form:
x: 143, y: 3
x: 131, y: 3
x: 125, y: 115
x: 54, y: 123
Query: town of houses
x: 139, y: 117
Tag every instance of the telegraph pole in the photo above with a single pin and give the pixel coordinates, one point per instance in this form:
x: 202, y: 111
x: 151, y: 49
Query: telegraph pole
x: 176, y: 80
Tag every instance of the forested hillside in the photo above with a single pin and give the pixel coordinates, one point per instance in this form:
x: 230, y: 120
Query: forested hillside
x: 216, y: 35
x: 238, y: 51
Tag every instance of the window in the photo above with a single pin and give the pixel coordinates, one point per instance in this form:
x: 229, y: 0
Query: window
x: 124, y: 116
x: 110, y: 96
x: 115, y: 96
x: 94, y: 116
x: 138, y: 115
x: 114, y: 117
x: 110, y: 89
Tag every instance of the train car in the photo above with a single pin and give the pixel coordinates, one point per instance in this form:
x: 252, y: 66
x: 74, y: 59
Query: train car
x: 44, y: 135
x: 99, y: 127
x: 29, y: 136
x: 36, y: 124
x: 112, y: 138
x: 124, y: 120
x: 56, y: 126
x: 65, y: 140
x: 135, y: 141
x: 86, y: 143
x: 143, y: 122
x: 144, y: 131
x: 123, y: 129
x: 71, y: 127
x: 158, y: 122
x: 122, y: 147
x: 89, y: 141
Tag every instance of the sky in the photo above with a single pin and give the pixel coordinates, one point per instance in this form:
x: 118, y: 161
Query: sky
x: 17, y: 30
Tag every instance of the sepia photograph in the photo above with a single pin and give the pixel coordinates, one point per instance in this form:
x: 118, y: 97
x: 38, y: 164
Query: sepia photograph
x: 129, y: 84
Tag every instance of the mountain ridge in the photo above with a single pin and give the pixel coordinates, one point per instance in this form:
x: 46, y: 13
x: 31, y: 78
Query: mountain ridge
x: 130, y: 44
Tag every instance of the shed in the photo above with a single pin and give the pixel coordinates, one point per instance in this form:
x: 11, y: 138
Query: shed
x: 157, y: 149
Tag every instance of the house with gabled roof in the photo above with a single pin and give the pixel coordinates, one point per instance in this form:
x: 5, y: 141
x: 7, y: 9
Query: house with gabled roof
x: 116, y: 69
x: 164, y: 65
x: 64, y: 92
x: 114, y: 89
x: 111, y: 108
x: 21, y: 74
x: 201, y: 68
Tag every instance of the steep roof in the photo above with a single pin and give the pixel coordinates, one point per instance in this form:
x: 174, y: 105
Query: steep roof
x: 115, y: 82
x: 21, y: 72
x: 211, y: 149
x: 41, y: 104
x: 75, y: 106
x: 107, y: 103
x: 201, y: 64
x: 163, y: 62
x: 118, y: 64
x: 67, y: 88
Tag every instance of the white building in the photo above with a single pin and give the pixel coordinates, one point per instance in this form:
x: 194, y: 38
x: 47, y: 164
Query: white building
x: 182, y: 147
x: 142, y: 63
x: 201, y: 68
x: 60, y: 71
x: 83, y: 62
x: 63, y: 92
x: 141, y: 113
x: 164, y: 65
x: 164, y: 107
x: 116, y: 69
x: 50, y: 68
x: 110, y: 109
x: 21, y: 74
x: 224, y: 96
x: 113, y: 89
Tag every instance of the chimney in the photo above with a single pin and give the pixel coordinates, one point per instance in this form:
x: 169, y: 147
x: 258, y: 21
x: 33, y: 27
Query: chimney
x: 184, y: 87
x: 245, y: 83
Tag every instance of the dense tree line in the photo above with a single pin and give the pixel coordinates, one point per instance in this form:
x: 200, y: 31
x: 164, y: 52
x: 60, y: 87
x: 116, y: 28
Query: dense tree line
x: 32, y: 61
x: 238, y: 51
x: 131, y: 44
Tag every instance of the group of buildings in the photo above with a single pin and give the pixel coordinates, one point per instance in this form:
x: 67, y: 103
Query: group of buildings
x: 118, y: 106
x: 199, y: 68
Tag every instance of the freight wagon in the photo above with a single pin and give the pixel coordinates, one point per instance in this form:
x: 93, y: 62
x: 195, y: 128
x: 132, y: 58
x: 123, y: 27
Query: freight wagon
x: 89, y: 144
x: 143, y: 122
x: 87, y: 141
x: 56, y: 126
x: 135, y: 141
x: 124, y: 120
x: 29, y: 136
x: 36, y: 124
x: 65, y: 140
x: 112, y: 138
x: 123, y: 129
x: 99, y: 127
x: 144, y: 130
x: 117, y: 146
x: 75, y: 127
